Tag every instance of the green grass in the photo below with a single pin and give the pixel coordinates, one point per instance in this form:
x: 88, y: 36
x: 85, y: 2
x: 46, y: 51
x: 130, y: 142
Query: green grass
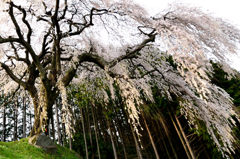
x: 22, y: 150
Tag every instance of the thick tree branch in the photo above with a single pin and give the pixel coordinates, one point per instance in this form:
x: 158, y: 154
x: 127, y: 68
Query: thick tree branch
x: 85, y: 57
x: 56, y: 63
x: 101, y: 62
x: 9, y: 40
x: 133, y: 52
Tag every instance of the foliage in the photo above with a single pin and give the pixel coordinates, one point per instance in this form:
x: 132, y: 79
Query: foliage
x: 227, y: 82
x: 211, y: 147
x: 23, y: 150
x: 170, y: 60
x: 78, y: 146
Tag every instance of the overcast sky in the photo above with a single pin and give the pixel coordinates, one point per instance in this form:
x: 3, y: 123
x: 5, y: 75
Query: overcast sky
x: 226, y: 9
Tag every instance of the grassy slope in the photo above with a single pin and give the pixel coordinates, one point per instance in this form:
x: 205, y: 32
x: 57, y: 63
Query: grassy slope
x: 22, y: 150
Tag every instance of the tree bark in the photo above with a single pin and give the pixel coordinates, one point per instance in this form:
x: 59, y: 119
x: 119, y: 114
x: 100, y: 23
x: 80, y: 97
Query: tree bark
x: 42, y: 110
x: 123, y: 144
x: 63, y: 135
x: 119, y: 130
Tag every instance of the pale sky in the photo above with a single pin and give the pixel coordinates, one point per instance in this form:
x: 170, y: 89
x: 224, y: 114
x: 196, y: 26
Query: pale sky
x: 228, y: 10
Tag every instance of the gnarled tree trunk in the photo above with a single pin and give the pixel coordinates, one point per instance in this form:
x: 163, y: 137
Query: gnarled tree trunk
x: 43, y: 103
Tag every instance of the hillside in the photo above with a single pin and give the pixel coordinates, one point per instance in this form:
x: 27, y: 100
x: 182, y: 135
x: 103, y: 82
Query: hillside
x: 22, y: 150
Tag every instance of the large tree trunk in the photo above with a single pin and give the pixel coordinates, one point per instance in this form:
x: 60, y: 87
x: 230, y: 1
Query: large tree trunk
x: 42, y: 110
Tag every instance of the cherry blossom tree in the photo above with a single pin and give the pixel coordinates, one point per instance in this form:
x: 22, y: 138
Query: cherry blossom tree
x: 43, y: 70
x: 48, y: 43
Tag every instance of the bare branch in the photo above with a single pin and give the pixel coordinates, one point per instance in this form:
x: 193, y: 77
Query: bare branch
x: 64, y: 10
x: 18, y: 30
x: 16, y: 57
x: 25, y: 22
x: 9, y: 40
x: 12, y: 76
x: 87, y: 23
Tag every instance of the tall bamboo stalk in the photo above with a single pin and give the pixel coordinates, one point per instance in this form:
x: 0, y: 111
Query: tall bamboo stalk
x: 111, y: 137
x: 185, y: 138
x: 139, y: 153
x: 95, y: 130
x: 24, y: 117
x: 151, y: 138
x: 84, y: 133
x: 180, y: 137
